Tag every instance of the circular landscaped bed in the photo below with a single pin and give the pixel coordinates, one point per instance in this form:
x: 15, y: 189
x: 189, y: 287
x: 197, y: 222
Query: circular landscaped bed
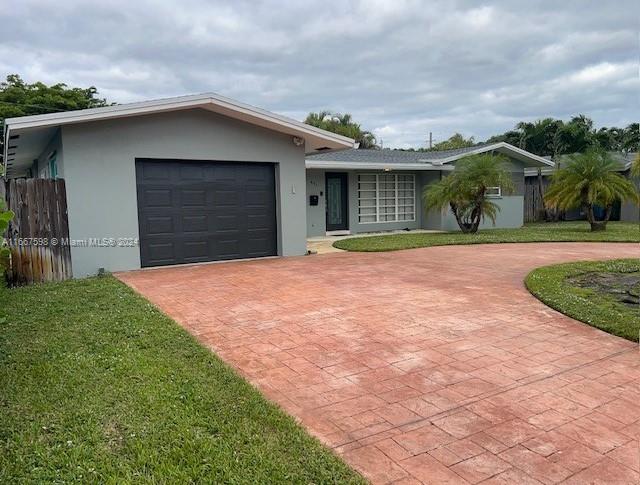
x: 603, y: 294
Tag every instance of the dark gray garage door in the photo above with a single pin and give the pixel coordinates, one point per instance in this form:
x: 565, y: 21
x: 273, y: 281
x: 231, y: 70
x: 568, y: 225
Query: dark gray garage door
x: 194, y: 211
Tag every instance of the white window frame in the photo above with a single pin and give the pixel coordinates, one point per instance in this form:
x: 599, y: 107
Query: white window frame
x: 377, y: 214
x: 496, y: 195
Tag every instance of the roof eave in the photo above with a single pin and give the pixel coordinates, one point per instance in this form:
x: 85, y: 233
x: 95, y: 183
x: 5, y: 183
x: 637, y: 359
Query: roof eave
x: 536, y: 159
x: 338, y: 165
x: 336, y: 141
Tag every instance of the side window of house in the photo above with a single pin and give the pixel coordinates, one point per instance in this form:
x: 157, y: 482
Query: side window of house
x: 494, y: 192
x: 50, y: 168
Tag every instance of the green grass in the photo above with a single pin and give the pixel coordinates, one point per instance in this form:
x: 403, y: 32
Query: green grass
x: 539, y: 232
x: 97, y: 385
x: 550, y: 285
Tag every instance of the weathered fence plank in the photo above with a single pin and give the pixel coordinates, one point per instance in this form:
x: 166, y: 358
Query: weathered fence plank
x: 40, y: 207
x: 533, y: 204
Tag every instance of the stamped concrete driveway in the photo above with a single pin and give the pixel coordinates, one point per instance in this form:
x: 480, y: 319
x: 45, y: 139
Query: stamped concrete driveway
x: 431, y: 365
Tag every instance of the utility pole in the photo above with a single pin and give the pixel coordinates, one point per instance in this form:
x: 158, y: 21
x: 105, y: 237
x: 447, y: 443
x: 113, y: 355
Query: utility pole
x: 430, y: 140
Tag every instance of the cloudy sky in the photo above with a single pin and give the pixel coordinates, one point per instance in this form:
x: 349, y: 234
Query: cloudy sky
x: 401, y: 67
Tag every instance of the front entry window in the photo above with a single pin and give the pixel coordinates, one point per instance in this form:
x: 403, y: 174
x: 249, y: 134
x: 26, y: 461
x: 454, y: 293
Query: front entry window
x: 337, y: 202
x: 334, y: 200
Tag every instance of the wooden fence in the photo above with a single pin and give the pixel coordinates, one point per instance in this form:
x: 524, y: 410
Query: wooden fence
x: 38, y: 236
x: 533, y: 207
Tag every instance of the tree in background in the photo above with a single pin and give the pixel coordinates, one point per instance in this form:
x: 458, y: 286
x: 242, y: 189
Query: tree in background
x: 457, y: 140
x: 464, y: 191
x: 631, y: 138
x: 590, y: 180
x: 342, y: 124
x: 18, y: 98
x: 552, y: 137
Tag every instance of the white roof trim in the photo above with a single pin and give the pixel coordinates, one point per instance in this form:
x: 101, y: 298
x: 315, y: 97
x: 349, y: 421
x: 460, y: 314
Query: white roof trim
x: 171, y: 104
x: 495, y: 146
x: 337, y: 165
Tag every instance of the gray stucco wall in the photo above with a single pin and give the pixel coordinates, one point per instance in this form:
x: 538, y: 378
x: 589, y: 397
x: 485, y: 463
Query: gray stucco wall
x: 511, y: 213
x: 316, y: 215
x: 99, y: 168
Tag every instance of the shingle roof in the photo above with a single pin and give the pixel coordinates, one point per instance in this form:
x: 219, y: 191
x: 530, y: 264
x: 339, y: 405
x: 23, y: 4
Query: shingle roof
x: 387, y: 156
x: 624, y: 160
x: 444, y: 160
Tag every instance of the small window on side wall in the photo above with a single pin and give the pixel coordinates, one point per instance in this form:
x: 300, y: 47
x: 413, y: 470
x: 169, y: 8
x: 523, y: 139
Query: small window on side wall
x: 494, y: 192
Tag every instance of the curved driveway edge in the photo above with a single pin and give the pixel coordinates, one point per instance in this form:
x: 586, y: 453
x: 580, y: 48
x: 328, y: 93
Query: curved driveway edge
x: 430, y: 365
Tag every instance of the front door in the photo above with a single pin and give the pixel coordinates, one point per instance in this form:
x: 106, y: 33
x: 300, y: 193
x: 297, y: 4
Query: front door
x: 337, y: 202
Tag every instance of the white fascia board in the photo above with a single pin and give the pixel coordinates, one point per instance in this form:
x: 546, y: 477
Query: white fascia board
x: 171, y: 104
x: 336, y: 165
x: 5, y: 150
x: 504, y: 145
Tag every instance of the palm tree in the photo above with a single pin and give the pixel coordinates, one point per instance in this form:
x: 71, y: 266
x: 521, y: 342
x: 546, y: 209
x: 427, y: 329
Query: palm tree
x: 342, y: 124
x: 464, y: 191
x: 635, y: 166
x: 588, y: 180
x: 539, y: 137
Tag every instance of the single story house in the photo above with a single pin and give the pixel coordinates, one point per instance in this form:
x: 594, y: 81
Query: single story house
x: 626, y: 211
x: 206, y: 178
x: 355, y: 191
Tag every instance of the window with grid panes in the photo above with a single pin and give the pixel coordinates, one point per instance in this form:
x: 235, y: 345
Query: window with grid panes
x: 386, y: 197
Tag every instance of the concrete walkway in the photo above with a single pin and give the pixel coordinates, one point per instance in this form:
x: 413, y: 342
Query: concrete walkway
x: 431, y: 365
x: 324, y: 244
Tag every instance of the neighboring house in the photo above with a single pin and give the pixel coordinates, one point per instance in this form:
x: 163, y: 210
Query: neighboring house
x: 356, y: 191
x: 626, y: 211
x: 206, y: 178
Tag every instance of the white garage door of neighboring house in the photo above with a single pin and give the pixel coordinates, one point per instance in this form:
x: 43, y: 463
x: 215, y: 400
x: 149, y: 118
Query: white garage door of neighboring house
x: 195, y: 211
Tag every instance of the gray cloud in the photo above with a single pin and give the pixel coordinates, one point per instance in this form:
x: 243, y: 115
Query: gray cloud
x: 402, y: 68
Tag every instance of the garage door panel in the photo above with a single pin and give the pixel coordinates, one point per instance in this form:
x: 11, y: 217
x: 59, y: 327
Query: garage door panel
x: 226, y: 198
x: 229, y: 248
x: 193, y: 198
x: 205, y: 211
x: 227, y: 223
x: 258, y: 222
x: 158, y: 197
x: 196, y: 223
x: 258, y: 247
x: 196, y: 250
x: 159, y: 225
x: 154, y: 173
x: 193, y: 172
x: 161, y: 252
x: 224, y: 173
x: 258, y: 198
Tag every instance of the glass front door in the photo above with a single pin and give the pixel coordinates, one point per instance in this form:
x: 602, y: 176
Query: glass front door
x: 337, y: 202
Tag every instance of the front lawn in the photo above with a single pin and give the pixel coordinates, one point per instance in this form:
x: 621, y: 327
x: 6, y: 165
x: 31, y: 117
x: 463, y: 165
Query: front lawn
x: 538, y: 232
x: 96, y: 385
x: 603, y: 294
